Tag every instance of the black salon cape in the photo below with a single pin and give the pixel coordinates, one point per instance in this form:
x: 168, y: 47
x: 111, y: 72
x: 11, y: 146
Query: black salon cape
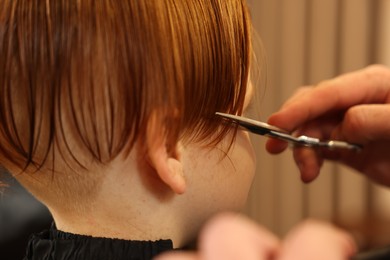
x: 57, y: 245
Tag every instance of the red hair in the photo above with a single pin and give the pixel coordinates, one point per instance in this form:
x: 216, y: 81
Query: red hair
x: 87, y: 75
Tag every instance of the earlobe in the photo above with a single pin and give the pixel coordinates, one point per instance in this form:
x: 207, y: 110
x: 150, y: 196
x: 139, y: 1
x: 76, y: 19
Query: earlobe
x: 169, y: 170
x: 166, y: 163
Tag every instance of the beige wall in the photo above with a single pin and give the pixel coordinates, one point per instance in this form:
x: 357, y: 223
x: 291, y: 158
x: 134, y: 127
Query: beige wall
x: 307, y: 41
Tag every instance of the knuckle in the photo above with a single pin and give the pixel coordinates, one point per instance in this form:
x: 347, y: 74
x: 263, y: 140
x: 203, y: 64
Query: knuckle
x: 325, y: 82
x: 354, y: 119
x: 378, y: 71
x: 375, y: 68
x: 301, y: 90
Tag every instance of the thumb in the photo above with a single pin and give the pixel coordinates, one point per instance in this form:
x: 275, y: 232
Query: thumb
x: 365, y: 123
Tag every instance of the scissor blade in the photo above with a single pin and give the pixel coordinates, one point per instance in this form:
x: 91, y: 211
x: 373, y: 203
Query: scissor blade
x: 265, y: 129
x: 261, y: 128
x: 252, y: 125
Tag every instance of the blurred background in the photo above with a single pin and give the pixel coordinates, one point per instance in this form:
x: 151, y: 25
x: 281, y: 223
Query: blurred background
x: 303, y: 42
x: 20, y: 216
x: 307, y: 41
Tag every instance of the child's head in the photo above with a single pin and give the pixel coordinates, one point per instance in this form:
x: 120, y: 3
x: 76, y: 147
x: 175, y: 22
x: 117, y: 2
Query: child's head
x: 86, y: 85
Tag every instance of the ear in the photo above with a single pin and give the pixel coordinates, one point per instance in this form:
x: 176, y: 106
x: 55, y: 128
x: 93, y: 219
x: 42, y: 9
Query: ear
x: 166, y: 163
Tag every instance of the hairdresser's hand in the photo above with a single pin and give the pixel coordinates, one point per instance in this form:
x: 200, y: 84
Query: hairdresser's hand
x: 354, y: 107
x: 232, y: 237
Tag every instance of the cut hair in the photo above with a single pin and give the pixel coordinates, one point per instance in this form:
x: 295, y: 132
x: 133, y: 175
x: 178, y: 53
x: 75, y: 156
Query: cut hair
x: 86, y: 76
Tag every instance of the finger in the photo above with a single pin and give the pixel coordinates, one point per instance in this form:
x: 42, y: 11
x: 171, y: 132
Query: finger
x: 275, y: 146
x: 309, y: 162
x: 233, y: 237
x: 321, y: 128
x: 317, y: 240
x: 365, y: 123
x: 371, y: 85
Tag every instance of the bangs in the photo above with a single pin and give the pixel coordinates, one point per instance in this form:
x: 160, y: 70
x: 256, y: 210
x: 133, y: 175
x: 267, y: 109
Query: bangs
x: 218, y: 79
x: 79, y: 80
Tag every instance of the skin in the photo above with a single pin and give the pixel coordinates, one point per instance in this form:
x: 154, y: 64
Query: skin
x: 231, y: 236
x: 158, y: 195
x: 353, y: 107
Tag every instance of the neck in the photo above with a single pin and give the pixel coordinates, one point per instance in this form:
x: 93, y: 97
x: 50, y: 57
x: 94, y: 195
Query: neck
x: 131, y: 206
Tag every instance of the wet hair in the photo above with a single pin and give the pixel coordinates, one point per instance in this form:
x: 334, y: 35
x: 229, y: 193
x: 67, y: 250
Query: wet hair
x: 86, y: 76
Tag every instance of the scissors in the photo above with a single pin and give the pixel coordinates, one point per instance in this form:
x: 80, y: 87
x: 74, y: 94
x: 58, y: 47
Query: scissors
x: 265, y: 129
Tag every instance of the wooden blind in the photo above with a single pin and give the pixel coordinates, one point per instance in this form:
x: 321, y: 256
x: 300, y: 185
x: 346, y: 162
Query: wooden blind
x: 307, y: 41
